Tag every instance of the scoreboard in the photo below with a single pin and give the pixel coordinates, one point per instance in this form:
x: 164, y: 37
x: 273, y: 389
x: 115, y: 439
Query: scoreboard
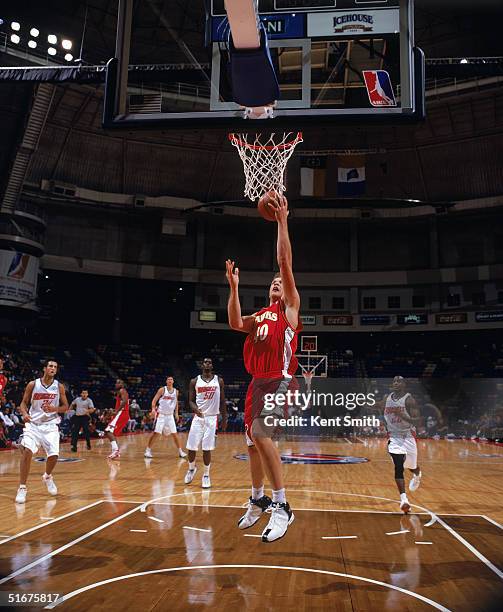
x: 269, y: 7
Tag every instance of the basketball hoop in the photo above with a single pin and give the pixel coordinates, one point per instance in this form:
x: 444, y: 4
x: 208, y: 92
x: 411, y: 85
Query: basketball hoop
x: 265, y: 162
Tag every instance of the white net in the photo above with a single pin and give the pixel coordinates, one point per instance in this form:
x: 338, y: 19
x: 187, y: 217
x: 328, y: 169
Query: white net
x: 308, y: 377
x: 264, y: 160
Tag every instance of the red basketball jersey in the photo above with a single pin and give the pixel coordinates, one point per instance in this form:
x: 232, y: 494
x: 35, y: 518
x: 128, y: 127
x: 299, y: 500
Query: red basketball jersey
x: 269, y: 351
x: 118, y: 401
x: 3, y: 383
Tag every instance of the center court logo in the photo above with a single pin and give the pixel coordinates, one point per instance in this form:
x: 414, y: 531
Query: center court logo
x: 312, y: 458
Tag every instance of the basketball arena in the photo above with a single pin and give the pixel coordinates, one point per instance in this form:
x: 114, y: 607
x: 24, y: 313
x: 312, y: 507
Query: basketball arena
x: 251, y: 305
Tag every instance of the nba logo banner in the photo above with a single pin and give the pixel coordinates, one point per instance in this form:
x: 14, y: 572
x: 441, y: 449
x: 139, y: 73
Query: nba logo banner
x: 379, y: 88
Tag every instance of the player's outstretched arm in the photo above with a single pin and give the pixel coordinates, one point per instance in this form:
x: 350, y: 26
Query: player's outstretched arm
x: 284, y: 255
x: 236, y: 320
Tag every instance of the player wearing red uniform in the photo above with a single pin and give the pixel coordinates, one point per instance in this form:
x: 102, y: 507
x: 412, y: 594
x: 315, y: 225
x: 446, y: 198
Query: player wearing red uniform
x: 120, y: 420
x: 3, y: 379
x: 269, y: 355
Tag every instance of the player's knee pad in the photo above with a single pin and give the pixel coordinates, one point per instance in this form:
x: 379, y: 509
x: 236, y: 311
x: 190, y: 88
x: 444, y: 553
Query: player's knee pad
x: 398, y: 460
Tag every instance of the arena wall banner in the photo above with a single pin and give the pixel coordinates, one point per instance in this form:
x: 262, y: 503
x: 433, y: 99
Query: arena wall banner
x: 449, y: 318
x: 338, y: 320
x: 489, y: 317
x: 344, y: 23
x: 18, y: 277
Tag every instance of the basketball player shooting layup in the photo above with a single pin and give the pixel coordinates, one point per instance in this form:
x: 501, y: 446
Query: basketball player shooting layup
x: 45, y: 397
x: 398, y: 408
x: 166, y: 416
x: 269, y: 356
x: 117, y: 424
x: 207, y: 400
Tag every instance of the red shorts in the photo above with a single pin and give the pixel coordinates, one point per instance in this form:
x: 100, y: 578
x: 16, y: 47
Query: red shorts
x: 118, y: 423
x: 256, y: 398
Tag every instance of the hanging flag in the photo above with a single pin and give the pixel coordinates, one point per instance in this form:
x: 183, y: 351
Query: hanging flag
x: 351, y: 175
x: 312, y: 175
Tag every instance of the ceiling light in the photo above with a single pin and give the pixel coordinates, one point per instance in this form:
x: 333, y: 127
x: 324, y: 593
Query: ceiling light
x: 34, y: 32
x: 68, y: 57
x: 464, y: 61
x: 52, y: 39
x: 15, y: 38
x: 32, y: 44
x: 51, y: 51
x: 15, y: 26
x: 66, y: 44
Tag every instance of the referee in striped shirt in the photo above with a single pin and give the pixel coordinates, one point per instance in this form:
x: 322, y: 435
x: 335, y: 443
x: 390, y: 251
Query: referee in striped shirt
x: 83, y: 407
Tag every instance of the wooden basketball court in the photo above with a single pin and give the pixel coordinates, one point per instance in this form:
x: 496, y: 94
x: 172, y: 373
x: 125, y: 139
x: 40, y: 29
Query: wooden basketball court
x: 132, y: 536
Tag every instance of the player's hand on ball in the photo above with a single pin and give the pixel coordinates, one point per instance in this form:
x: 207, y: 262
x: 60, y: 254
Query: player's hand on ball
x: 279, y: 204
x: 232, y: 274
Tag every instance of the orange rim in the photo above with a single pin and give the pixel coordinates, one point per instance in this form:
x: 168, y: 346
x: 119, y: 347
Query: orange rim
x: 287, y: 145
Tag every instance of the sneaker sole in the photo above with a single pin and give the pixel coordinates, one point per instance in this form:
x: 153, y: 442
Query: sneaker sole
x: 282, y: 536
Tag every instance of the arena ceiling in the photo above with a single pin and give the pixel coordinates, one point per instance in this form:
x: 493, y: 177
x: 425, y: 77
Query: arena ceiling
x: 453, y: 155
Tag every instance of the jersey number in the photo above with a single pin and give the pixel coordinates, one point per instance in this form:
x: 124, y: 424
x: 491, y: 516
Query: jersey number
x: 209, y: 395
x: 262, y: 332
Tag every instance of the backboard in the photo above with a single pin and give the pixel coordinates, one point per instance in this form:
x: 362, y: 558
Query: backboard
x: 335, y: 60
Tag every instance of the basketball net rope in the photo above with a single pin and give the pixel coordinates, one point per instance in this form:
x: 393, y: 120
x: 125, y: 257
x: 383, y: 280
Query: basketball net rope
x: 264, y: 163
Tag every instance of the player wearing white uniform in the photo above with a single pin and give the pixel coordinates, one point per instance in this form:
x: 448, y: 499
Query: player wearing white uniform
x: 166, y: 415
x: 398, y: 408
x: 207, y: 400
x: 46, y: 397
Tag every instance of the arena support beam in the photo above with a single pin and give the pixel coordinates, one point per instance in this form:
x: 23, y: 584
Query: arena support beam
x: 34, y: 127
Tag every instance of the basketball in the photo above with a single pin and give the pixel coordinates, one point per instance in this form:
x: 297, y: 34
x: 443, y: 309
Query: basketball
x: 264, y: 209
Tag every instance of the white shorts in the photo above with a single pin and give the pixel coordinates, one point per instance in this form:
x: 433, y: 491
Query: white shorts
x: 404, y: 446
x: 202, y: 432
x: 43, y: 435
x: 165, y: 424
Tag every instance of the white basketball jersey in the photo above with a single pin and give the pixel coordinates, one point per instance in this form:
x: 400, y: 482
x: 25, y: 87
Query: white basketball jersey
x: 393, y: 412
x: 208, y: 396
x: 167, y: 403
x: 44, y: 396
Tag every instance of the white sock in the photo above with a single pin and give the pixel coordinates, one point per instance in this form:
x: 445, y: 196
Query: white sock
x: 403, y: 497
x: 115, y: 446
x: 148, y: 448
x: 46, y: 475
x: 207, y: 470
x: 22, y: 486
x: 279, y: 496
x: 192, y: 465
x: 257, y: 493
